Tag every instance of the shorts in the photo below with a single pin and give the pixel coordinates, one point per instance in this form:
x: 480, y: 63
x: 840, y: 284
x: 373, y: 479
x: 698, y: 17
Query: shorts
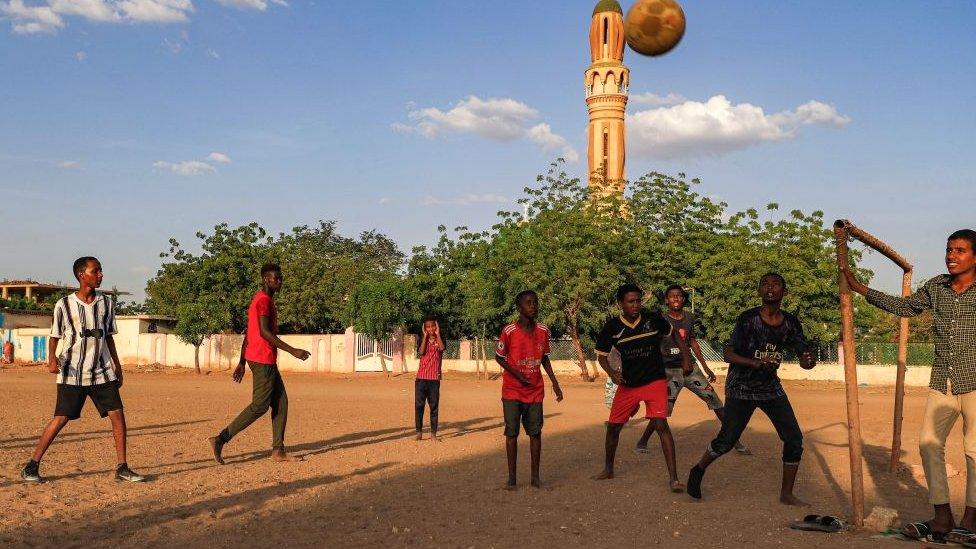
x: 696, y: 382
x: 528, y: 413
x: 71, y: 399
x: 627, y: 401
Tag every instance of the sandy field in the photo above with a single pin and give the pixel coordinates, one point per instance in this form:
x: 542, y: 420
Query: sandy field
x: 365, y: 481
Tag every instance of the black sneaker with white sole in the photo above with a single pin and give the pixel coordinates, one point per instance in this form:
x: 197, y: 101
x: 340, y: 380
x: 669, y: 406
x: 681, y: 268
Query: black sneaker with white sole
x: 31, y: 472
x: 124, y: 473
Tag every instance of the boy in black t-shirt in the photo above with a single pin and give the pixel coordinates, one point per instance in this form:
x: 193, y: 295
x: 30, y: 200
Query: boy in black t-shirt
x: 636, y: 335
x: 683, y: 323
x: 754, y: 354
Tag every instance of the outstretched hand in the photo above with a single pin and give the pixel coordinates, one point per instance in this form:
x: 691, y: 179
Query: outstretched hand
x: 238, y: 374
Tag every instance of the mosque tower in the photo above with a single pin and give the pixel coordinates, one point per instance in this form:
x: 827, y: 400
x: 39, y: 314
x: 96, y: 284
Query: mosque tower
x: 606, y: 81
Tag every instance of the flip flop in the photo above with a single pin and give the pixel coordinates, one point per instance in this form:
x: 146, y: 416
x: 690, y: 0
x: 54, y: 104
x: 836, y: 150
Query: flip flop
x: 960, y: 536
x: 817, y: 523
x: 924, y: 533
x: 642, y: 450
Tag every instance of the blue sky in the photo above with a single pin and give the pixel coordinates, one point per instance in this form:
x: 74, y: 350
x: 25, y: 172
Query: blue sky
x: 126, y: 122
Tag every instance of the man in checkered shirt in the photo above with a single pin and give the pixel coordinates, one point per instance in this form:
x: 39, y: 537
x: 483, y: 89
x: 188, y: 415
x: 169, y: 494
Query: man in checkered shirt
x: 952, y: 389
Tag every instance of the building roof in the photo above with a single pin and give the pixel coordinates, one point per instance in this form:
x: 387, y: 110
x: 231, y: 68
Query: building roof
x: 608, y: 5
x: 146, y: 317
x: 25, y: 312
x: 48, y: 286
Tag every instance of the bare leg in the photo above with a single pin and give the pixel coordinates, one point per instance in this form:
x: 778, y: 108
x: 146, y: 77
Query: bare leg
x: 47, y: 437
x: 535, y: 447
x: 667, y: 447
x: 613, y: 437
x: 511, y: 448
x: 645, y: 437
x: 786, y: 496
x: 118, y: 431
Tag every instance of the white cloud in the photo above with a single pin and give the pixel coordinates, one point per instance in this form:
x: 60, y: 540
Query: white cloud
x: 718, y: 126
x: 48, y: 16
x: 219, y: 157
x: 498, y: 119
x: 212, y: 53
x: 385, y: 200
x: 70, y: 164
x: 259, y: 5
x: 31, y: 19
x: 93, y: 10
x: 465, y: 200
x: 185, y: 167
x: 81, y: 56
x: 551, y: 143
x: 654, y: 100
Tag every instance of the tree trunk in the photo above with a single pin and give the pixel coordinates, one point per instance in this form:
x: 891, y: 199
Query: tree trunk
x: 196, y: 357
x: 379, y: 351
x: 578, y: 347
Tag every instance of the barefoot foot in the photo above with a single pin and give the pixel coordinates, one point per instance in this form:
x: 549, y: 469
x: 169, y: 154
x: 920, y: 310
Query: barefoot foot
x: 790, y: 499
x: 677, y: 487
x: 420, y: 436
x: 606, y: 474
x: 282, y: 457
x: 511, y: 485
x: 536, y: 483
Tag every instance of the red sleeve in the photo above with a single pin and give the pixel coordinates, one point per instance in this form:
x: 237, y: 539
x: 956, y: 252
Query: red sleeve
x: 503, y: 344
x: 263, y: 305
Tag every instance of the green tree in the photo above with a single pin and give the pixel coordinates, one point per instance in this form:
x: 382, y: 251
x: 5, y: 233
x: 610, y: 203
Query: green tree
x: 381, y: 305
x: 196, y: 321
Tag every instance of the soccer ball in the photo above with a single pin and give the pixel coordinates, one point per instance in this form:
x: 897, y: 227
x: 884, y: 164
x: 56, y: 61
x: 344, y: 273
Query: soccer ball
x: 654, y: 27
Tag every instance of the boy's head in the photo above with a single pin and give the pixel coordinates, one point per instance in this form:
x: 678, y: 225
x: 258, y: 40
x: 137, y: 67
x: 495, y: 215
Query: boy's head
x: 430, y: 324
x: 959, y: 251
x: 88, y: 271
x: 630, y: 298
x: 675, y: 297
x: 772, y: 287
x: 271, y: 276
x: 527, y: 303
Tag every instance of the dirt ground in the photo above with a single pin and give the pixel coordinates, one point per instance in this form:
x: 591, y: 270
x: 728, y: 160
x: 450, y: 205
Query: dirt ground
x: 364, y: 481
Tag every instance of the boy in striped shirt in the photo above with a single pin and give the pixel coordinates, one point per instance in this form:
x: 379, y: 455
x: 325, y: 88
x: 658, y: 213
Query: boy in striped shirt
x: 427, y: 387
x: 522, y: 348
x: 89, y: 366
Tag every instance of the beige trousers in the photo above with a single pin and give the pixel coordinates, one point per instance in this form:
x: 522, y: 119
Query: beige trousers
x: 941, y: 413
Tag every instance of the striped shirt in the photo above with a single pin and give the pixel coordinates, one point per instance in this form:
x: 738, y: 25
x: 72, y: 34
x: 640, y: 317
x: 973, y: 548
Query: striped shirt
x: 85, y: 358
x: 954, y: 318
x: 430, y: 362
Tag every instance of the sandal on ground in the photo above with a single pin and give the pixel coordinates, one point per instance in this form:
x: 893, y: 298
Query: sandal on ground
x: 961, y: 536
x: 818, y: 523
x: 922, y: 531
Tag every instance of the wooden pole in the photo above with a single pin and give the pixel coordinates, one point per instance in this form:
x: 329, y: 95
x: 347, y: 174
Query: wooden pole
x: 906, y: 290
x: 850, y: 378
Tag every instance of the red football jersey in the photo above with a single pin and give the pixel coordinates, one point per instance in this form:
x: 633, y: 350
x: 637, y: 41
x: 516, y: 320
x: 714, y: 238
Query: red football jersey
x: 523, y: 351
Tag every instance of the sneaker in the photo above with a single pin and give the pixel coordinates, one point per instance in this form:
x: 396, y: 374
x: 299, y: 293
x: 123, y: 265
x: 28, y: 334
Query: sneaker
x: 742, y: 449
x: 217, y: 446
x: 124, y: 473
x: 31, y: 472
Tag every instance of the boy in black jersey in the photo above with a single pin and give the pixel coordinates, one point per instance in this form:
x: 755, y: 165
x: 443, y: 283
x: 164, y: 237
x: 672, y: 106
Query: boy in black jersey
x: 754, y: 354
x: 637, y: 335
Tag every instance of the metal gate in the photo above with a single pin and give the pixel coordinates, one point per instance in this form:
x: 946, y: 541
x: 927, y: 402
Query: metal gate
x: 370, y: 352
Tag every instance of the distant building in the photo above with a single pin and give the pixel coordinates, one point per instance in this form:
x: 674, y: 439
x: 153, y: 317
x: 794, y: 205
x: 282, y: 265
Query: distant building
x: 41, y: 292
x: 607, y: 81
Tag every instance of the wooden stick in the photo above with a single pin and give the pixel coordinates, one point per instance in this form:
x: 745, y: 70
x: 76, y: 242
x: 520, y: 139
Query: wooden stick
x: 906, y: 290
x: 850, y: 378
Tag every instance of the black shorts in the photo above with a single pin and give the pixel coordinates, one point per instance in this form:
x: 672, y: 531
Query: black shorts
x: 528, y: 413
x: 71, y: 399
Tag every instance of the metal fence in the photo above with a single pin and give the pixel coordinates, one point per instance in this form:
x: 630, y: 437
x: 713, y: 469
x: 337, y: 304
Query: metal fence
x: 882, y: 353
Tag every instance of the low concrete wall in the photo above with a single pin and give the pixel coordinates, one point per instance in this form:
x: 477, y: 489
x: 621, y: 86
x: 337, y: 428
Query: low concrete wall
x: 878, y: 375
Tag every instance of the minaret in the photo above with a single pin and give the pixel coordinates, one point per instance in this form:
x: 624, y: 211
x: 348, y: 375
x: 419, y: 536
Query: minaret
x: 607, y: 81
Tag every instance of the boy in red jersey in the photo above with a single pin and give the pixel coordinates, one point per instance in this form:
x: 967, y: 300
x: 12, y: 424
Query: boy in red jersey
x: 260, y: 351
x: 522, y: 348
x: 427, y: 387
